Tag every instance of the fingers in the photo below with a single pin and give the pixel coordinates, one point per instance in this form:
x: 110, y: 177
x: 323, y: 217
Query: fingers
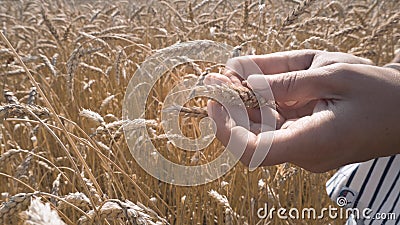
x: 233, y: 77
x: 301, y: 86
x: 288, y: 123
x: 240, y: 141
x: 252, y: 150
x: 216, y: 78
x: 254, y: 114
x: 300, y: 109
x: 272, y: 147
x: 287, y: 145
x: 222, y: 121
x: 306, y: 142
x: 328, y: 58
x: 240, y: 68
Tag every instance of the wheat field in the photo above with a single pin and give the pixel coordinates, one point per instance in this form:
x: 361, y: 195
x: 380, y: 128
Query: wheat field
x: 64, y: 158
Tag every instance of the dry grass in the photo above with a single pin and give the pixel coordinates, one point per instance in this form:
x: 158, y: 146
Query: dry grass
x: 62, y: 140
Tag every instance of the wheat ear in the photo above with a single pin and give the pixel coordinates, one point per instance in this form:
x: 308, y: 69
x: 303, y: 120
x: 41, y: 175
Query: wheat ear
x: 250, y: 99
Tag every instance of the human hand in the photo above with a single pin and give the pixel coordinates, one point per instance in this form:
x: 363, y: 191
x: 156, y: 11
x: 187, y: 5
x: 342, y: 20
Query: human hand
x: 334, y: 109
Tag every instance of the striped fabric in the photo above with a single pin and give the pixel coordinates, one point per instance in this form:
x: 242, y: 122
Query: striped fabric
x: 374, y: 184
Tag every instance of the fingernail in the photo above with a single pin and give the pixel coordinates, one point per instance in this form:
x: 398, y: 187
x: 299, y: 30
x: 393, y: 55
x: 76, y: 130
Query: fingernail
x: 290, y: 103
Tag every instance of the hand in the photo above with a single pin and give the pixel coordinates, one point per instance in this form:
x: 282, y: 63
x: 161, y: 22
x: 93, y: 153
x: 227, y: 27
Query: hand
x: 333, y: 109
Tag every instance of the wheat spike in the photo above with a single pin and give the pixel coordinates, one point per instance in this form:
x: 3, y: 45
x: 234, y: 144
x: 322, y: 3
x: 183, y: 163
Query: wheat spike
x: 300, y: 9
x: 117, y: 209
x: 49, y: 65
x: 220, y: 199
x: 16, y: 204
x: 56, y: 187
x: 317, y: 41
x: 78, y: 199
x: 200, y: 5
x: 91, y: 115
x: 92, y: 189
x: 21, y: 110
x: 245, y: 14
x: 249, y: 98
x: 50, y: 25
x: 345, y: 32
x: 190, y: 12
x: 10, y: 97
x: 41, y: 214
x: 392, y: 22
x: 8, y: 155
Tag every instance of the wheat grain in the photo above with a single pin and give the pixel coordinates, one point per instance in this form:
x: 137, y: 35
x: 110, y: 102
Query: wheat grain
x: 188, y: 111
x: 54, y: 59
x: 103, y: 146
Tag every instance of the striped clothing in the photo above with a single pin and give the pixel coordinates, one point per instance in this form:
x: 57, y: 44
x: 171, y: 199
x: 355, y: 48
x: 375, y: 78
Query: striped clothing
x: 374, y: 184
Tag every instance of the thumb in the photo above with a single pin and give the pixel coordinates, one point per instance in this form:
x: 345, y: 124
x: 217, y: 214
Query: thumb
x: 303, y: 85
